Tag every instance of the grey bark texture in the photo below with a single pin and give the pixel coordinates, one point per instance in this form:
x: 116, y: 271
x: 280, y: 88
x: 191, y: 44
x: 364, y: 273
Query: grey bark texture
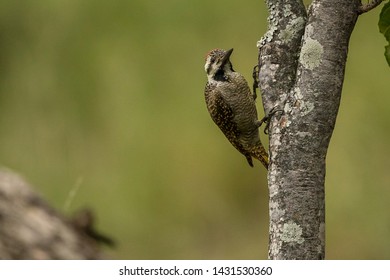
x: 31, y: 229
x: 302, y: 60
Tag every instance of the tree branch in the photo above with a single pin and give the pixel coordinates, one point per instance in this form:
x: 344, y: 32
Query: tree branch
x: 31, y: 229
x: 279, y: 50
x: 364, y: 8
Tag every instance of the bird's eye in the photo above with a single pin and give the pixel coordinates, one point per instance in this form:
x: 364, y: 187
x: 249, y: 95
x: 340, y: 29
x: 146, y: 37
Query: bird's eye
x: 212, y: 60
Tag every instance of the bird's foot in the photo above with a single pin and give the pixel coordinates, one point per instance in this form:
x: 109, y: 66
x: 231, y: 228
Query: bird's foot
x: 267, y: 119
x: 255, y: 75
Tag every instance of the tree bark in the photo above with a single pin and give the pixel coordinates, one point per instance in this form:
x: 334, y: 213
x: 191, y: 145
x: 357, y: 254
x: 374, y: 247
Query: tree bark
x: 31, y: 229
x: 302, y: 62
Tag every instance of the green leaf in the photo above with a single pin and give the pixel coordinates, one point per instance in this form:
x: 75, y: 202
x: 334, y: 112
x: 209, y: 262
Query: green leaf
x: 384, y: 28
x: 387, y: 54
x: 384, y: 21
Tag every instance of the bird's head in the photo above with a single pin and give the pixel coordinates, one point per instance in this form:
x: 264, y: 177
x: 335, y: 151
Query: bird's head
x: 218, y: 63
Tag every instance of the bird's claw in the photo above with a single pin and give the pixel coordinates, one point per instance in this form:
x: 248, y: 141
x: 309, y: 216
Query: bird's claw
x: 255, y: 75
x: 266, y: 119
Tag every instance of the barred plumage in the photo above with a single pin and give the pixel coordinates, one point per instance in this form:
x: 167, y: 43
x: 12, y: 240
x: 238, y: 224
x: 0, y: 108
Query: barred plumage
x: 232, y: 106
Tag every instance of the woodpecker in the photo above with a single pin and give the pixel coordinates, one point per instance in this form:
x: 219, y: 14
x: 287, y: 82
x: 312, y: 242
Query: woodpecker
x: 232, y: 106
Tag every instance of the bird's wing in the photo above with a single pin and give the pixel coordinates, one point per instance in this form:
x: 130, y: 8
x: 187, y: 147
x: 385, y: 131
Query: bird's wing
x: 223, y: 115
x: 221, y: 112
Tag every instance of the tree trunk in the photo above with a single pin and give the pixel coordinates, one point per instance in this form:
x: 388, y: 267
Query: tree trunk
x: 302, y: 62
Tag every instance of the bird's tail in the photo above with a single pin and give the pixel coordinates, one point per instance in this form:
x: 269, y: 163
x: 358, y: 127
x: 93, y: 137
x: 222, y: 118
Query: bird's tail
x: 259, y: 153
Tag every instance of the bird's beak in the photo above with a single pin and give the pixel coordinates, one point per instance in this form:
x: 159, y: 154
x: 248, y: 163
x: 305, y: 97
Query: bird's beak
x: 226, y: 56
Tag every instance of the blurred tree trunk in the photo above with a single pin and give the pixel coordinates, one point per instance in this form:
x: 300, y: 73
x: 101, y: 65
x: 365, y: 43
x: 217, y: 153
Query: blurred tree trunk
x: 302, y: 60
x: 31, y: 229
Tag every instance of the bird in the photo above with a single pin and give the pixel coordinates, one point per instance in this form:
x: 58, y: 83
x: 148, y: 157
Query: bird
x: 232, y: 106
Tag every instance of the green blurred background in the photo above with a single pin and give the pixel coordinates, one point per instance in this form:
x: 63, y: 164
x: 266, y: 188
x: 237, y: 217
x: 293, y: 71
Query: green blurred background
x: 106, y: 98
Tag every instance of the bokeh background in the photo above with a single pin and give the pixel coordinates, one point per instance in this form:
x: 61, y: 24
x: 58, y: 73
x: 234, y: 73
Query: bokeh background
x: 105, y: 99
